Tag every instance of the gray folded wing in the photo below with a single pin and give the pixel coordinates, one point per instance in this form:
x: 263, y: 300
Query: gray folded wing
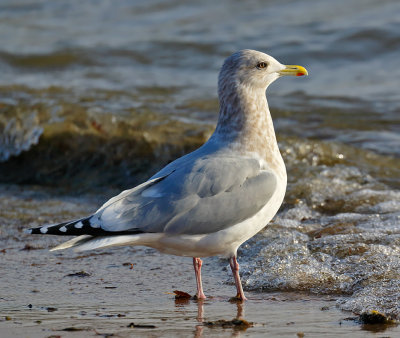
x: 202, y: 196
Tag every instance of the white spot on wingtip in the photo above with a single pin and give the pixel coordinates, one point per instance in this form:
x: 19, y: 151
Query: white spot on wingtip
x: 63, y: 229
x: 79, y: 225
x: 43, y: 230
x: 28, y: 231
x: 94, y: 225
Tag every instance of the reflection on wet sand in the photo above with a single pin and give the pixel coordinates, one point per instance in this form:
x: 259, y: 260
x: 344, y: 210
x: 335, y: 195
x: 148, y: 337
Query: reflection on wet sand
x: 237, y: 324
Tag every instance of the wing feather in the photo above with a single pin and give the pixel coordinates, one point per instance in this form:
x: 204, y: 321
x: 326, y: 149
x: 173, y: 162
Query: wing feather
x: 203, y: 196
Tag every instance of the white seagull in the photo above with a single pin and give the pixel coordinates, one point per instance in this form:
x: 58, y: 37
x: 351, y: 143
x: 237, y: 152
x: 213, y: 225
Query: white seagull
x: 210, y: 201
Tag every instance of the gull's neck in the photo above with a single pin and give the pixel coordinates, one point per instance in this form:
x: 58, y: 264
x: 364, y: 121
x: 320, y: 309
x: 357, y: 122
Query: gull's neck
x: 245, y: 124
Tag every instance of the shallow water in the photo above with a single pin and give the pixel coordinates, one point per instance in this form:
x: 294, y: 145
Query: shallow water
x: 96, y: 97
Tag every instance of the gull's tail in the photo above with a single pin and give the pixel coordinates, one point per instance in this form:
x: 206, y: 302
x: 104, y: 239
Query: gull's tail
x: 75, y: 242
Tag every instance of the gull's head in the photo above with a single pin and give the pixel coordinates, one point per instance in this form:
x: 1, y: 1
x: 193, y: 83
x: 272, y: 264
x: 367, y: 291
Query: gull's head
x: 254, y: 70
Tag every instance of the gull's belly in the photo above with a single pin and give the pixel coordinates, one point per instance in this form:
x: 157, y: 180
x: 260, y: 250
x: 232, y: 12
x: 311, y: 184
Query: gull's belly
x: 225, y: 242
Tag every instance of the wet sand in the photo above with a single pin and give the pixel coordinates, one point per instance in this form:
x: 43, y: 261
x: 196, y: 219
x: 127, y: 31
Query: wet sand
x: 95, y: 293
x: 102, y: 292
x: 75, y: 295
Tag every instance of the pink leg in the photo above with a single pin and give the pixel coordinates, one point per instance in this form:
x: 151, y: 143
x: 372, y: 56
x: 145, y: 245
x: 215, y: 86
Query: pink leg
x: 197, y: 263
x: 235, y: 271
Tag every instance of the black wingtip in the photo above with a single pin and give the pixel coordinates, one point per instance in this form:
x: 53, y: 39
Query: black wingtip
x: 55, y: 229
x: 78, y: 227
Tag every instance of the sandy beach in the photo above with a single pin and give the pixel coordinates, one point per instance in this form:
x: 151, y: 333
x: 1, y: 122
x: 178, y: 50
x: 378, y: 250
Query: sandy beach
x: 98, y: 294
x: 69, y: 294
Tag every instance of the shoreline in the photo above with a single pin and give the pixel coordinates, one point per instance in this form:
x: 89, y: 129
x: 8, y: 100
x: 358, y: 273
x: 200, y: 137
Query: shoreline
x: 274, y: 314
x: 104, y: 292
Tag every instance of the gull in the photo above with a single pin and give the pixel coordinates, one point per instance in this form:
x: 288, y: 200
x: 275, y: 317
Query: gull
x: 210, y: 201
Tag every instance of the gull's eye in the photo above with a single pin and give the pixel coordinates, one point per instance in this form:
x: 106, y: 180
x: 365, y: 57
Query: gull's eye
x: 262, y: 65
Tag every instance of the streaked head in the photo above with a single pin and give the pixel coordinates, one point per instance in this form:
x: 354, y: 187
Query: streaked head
x: 254, y: 69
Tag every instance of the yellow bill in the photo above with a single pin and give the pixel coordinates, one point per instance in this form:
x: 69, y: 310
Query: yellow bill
x: 294, y: 70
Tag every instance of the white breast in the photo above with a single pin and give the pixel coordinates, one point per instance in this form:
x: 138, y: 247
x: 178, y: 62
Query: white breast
x: 225, y: 242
